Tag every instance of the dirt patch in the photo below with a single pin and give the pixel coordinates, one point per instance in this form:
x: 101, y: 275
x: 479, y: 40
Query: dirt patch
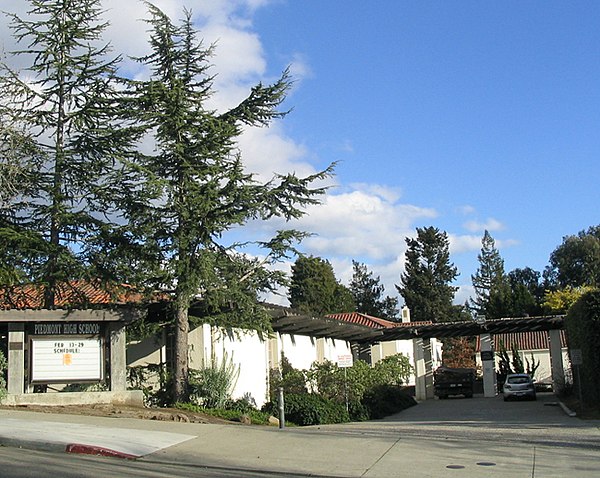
x: 122, y: 411
x: 587, y: 412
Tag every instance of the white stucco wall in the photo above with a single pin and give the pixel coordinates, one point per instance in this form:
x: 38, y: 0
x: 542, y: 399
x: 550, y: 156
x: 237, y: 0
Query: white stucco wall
x: 544, y: 372
x: 299, y: 350
x: 250, y: 355
x: 334, y: 348
x: 405, y: 347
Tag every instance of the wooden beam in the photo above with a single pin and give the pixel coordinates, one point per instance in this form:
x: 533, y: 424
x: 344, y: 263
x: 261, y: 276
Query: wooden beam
x: 72, y: 315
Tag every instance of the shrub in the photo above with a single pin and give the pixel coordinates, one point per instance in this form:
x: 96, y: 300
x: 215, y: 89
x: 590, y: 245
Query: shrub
x: 583, y: 330
x: 291, y: 379
x: 3, y: 365
x: 310, y: 409
x: 393, y: 370
x: 212, y: 386
x: 384, y: 400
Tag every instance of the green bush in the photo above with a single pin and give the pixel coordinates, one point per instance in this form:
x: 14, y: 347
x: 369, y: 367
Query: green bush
x: 583, y: 329
x: 292, y: 380
x: 384, y: 400
x: 3, y: 365
x: 393, y: 370
x: 310, y: 409
x: 212, y: 386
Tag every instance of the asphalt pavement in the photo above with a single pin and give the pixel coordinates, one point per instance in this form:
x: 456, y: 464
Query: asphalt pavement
x: 457, y: 437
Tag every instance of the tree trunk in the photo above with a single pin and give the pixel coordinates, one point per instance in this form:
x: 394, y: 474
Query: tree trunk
x: 181, y: 362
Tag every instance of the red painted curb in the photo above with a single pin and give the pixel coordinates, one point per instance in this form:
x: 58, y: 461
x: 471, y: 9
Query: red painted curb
x: 97, y: 450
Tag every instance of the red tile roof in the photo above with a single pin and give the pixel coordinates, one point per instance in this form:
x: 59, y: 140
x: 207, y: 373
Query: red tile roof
x: 525, y: 340
x: 75, y: 293
x: 370, y: 321
x: 362, y: 319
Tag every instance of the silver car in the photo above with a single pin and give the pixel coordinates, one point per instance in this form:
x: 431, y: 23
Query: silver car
x: 518, y: 385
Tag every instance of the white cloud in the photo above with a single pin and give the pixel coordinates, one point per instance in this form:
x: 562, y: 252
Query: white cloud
x: 464, y: 243
x: 491, y: 225
x: 466, y: 210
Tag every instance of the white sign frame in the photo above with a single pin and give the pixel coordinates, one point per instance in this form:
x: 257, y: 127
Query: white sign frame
x: 345, y: 360
x: 66, y: 359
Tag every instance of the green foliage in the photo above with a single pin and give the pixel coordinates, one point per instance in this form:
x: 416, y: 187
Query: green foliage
x: 383, y: 400
x: 212, y: 386
x: 507, y: 366
x: 140, y: 378
x: 425, y: 285
x: 292, y: 380
x: 531, y: 366
x: 181, y: 199
x: 576, y: 262
x: 332, y: 387
x: 492, y: 289
x: 526, y: 292
x: 560, y: 301
x: 393, y: 370
x: 583, y: 329
x: 3, y: 365
x: 67, y: 140
x: 313, y: 409
x: 367, y: 292
x: 517, y: 361
x: 504, y: 367
x: 315, y: 290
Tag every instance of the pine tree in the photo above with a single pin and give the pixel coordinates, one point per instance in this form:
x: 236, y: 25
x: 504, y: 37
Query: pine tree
x: 182, y: 199
x: 492, y: 291
x: 314, y: 288
x: 425, y: 284
x: 70, y: 142
x: 367, y: 292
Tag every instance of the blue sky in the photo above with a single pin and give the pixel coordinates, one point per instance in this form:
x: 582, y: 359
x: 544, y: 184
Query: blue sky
x: 460, y: 115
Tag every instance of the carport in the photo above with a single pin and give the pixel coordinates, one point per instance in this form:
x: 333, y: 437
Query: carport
x: 421, y: 334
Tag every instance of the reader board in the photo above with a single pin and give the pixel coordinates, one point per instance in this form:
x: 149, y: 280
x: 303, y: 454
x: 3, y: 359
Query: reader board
x: 66, y: 359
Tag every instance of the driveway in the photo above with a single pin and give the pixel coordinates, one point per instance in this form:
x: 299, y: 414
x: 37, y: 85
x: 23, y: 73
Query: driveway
x: 541, y: 422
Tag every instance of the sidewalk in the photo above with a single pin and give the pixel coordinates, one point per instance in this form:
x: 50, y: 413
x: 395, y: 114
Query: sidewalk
x: 374, y: 449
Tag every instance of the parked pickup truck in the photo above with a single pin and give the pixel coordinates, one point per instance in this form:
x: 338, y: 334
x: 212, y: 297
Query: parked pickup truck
x: 453, y: 381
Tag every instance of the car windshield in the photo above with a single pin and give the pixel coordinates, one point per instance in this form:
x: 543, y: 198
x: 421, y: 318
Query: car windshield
x: 519, y: 379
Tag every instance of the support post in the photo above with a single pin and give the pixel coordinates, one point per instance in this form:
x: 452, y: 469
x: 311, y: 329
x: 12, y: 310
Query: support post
x: 281, y: 408
x: 118, y: 362
x: 489, y: 362
x: 427, y: 357
x: 420, y: 370
x: 556, y: 361
x: 16, y: 358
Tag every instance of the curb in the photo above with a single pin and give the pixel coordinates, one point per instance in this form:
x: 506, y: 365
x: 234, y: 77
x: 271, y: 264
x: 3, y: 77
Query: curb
x: 82, y: 449
x: 32, y: 445
x: 566, y: 409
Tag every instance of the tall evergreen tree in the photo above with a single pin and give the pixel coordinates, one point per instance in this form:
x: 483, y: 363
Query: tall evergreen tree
x: 492, y: 291
x: 527, y: 294
x: 61, y: 103
x: 367, y: 292
x: 182, y: 199
x: 314, y: 288
x: 425, y: 284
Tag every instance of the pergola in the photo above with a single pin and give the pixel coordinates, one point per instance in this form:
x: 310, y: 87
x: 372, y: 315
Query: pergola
x: 288, y: 321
